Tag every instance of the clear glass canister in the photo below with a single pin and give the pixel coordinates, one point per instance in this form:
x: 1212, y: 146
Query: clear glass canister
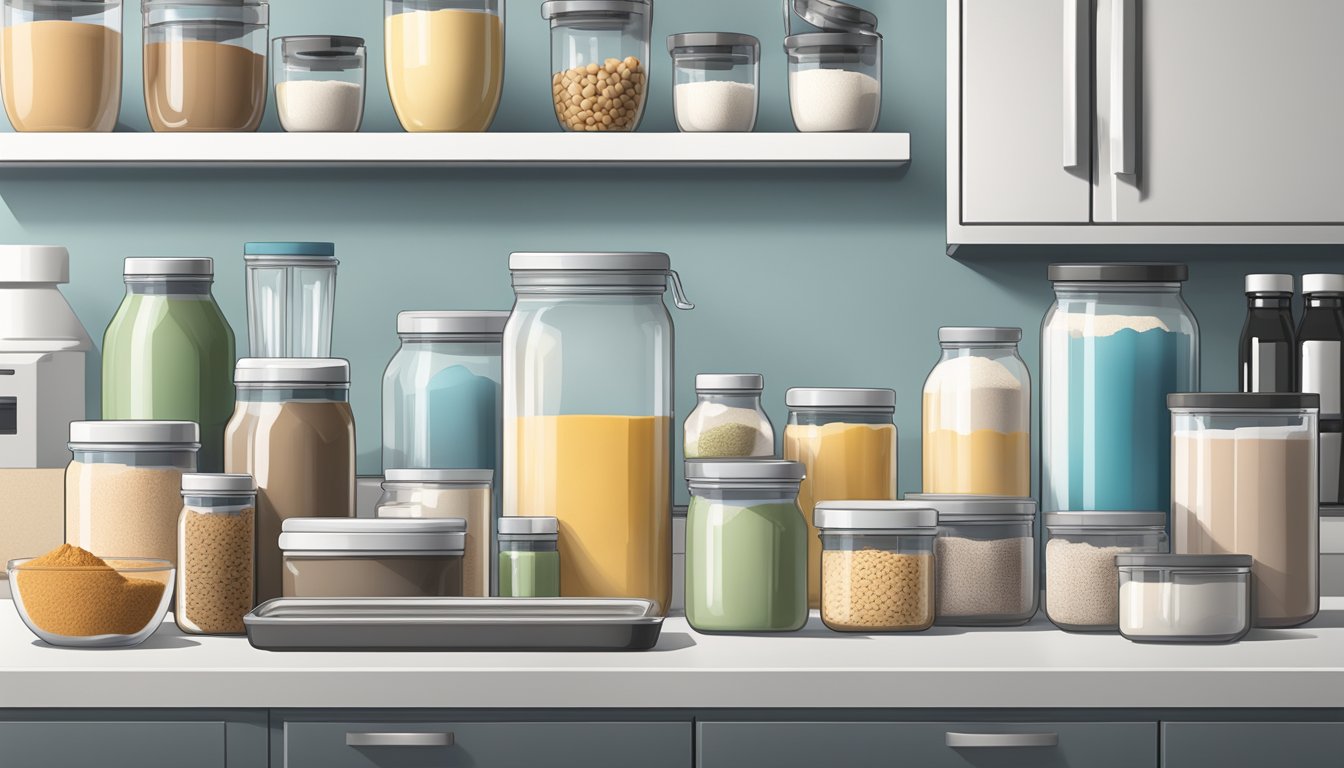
x: 60, y: 64
x: 835, y: 73
x: 325, y: 557
x: 846, y: 438
x: 599, y: 62
x: 588, y: 379
x: 746, y: 547
x: 453, y: 494
x: 1184, y: 598
x: 319, y: 83
x: 1081, y: 582
x: 529, y: 557
x: 216, y: 554
x: 728, y: 421
x: 1244, y: 479
x: 291, y: 298
x: 877, y: 565
x: 977, y: 415
x: 445, y: 62
x: 123, y: 488
x: 1118, y: 339
x: 205, y: 64
x: 716, y: 81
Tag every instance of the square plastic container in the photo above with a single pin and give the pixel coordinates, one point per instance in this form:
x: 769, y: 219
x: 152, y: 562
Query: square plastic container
x: 335, y: 557
x: 877, y: 565
x: 1185, y: 598
x: 1081, y: 581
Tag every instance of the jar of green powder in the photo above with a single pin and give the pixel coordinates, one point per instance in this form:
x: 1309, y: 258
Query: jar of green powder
x: 529, y: 558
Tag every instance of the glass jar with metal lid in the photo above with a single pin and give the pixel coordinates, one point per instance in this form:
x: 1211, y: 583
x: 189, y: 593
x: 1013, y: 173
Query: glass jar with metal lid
x: 529, y: 557
x: 445, y: 62
x: 60, y: 64
x: 319, y: 83
x: 291, y: 298
x: 216, y: 554
x: 330, y: 557
x: 599, y: 62
x: 716, y: 81
x: 728, y: 421
x: 746, y: 547
x: 835, y: 73
x: 1184, y: 598
x: 448, y: 493
x: 877, y: 565
x: 1081, y: 582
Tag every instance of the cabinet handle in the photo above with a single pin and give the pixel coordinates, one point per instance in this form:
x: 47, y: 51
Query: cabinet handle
x: 1001, y: 740
x: 1124, y: 55
x: 399, y: 739
x: 1073, y: 77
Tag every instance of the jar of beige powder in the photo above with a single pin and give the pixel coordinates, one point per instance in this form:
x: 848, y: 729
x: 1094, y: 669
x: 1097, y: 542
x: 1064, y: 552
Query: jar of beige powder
x: 60, y: 62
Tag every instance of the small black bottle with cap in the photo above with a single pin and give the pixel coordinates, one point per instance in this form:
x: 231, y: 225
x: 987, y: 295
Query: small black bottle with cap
x: 1267, y: 356
x: 1320, y: 340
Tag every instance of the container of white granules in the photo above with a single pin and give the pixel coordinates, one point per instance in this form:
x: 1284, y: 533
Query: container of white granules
x: 716, y: 81
x: 1184, y: 598
x: 1082, y: 584
x: 319, y: 83
x: 835, y: 73
x: 728, y: 421
x: 877, y: 565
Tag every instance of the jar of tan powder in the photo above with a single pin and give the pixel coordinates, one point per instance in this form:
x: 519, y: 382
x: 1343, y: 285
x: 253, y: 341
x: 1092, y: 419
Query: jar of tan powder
x: 60, y: 62
x: 216, y: 545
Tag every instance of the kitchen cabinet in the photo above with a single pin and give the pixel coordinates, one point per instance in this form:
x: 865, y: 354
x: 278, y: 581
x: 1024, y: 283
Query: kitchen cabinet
x: 133, y: 739
x: 1252, y: 745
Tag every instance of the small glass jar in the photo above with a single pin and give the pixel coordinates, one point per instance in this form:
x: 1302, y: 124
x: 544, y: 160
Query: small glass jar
x: 728, y: 421
x: 529, y: 557
x: 1184, y: 598
x: 61, y: 64
x: 216, y: 554
x: 1081, y: 581
x: 319, y: 83
x: 445, y: 62
x: 599, y: 62
x: 716, y: 81
x: 448, y: 494
x: 877, y: 565
x: 333, y: 557
x: 977, y: 415
x: 291, y: 298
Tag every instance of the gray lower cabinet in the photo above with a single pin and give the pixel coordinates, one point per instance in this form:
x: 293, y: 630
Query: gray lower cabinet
x: 1252, y: 745
x: 142, y: 744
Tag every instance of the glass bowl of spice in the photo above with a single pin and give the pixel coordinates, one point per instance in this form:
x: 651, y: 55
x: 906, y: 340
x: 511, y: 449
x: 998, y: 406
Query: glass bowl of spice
x: 69, y: 597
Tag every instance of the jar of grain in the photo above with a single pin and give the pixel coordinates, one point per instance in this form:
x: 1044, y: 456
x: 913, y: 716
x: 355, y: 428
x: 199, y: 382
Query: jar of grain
x: 462, y: 494
x: 61, y: 64
x: 1082, y: 584
x: 123, y: 488
x: 599, y: 62
x: 728, y: 421
x: 217, y: 554
x: 877, y: 565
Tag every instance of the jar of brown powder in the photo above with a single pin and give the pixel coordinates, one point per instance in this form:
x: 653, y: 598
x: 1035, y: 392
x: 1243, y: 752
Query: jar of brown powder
x: 216, y: 545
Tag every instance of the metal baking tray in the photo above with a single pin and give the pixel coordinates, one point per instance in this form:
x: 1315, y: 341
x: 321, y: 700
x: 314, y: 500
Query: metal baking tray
x: 453, y: 624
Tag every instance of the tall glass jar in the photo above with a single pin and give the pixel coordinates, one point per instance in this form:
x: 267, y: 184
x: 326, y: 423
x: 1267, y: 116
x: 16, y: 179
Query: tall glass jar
x: 168, y: 352
x: 60, y: 64
x: 216, y: 554
x: 977, y: 415
x: 599, y: 62
x: 588, y: 379
x: 728, y: 421
x: 1118, y: 339
x: 716, y: 81
x: 445, y: 62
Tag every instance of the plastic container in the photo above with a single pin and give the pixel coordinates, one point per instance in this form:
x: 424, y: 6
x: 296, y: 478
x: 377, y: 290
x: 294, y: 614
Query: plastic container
x: 448, y: 493
x: 599, y: 62
x: 1244, y: 479
x: 529, y: 557
x: 1184, y: 598
x: 205, y: 64
x: 746, y: 547
x: 835, y: 74
x: 716, y: 81
x: 1081, y: 582
x: 977, y: 415
x: 60, y: 64
x: 445, y: 62
x: 877, y: 565
x: 728, y: 421
x: 291, y: 298
x: 83, y: 607
x: 216, y: 554
x: 326, y: 557
x: 319, y: 83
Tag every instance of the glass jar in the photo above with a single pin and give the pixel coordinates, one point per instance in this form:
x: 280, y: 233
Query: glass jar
x: 1184, y: 598
x: 205, y: 64
x: 445, y: 62
x: 835, y: 73
x: 291, y: 298
x: 60, y: 64
x: 529, y: 557
x: 1244, y: 479
x: 326, y: 557
x: 977, y: 415
x: 294, y: 433
x: 448, y: 494
x: 588, y: 381
x: 123, y: 489
x: 746, y: 547
x: 216, y: 554
x: 877, y: 565
x: 599, y: 62
x: 319, y: 83
x: 1118, y: 339
x: 846, y: 438
x: 716, y: 81
x: 728, y: 421
x: 169, y: 352
x: 1081, y: 582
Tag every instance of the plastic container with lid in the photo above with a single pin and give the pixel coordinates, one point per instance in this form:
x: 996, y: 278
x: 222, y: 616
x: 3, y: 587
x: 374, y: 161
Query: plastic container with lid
x: 328, y: 557
x: 1320, y: 355
x: 728, y: 421
x: 877, y: 565
x: 716, y: 81
x: 291, y: 298
x: 319, y: 83
x: 1184, y: 598
x: 1081, y: 583
x: 599, y: 62
x: 216, y: 554
x: 60, y: 64
x: 1244, y: 479
x: 529, y: 557
x: 205, y: 64
x: 448, y: 493
x: 1118, y: 339
x: 835, y: 73
x: 746, y: 547
x: 977, y: 415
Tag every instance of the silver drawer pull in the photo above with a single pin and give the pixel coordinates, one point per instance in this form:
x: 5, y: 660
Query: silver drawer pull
x: 1001, y: 740
x: 399, y: 739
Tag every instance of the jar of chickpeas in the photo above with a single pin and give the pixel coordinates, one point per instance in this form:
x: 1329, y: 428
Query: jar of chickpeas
x: 877, y: 571
x: 599, y: 62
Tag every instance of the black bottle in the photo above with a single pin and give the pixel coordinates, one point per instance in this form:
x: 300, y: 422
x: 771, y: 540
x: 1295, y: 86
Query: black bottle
x: 1267, y: 357
x: 1320, y: 343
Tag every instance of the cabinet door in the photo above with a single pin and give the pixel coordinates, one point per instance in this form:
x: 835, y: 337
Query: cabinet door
x: 1026, y: 154
x: 1252, y: 745
x: 60, y: 744
x: 1219, y: 112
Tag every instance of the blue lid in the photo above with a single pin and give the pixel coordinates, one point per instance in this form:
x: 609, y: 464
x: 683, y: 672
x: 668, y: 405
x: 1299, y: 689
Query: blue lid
x: 312, y: 250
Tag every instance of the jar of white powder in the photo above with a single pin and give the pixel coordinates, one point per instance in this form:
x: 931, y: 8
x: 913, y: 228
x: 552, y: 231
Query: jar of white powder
x: 1184, y: 598
x: 717, y: 76
x: 728, y: 421
x: 1082, y: 584
x: 835, y: 74
x: 319, y: 83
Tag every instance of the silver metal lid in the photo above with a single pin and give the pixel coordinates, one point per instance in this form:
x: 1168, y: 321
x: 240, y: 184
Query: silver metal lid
x: 957, y: 506
x: 1243, y: 401
x: 528, y: 526
x: 320, y: 53
x: 875, y: 516
x: 1120, y: 272
x: 967, y: 334
x: 1322, y: 283
x: 729, y: 382
x: 1269, y: 284
x: 712, y: 42
x: 588, y: 271
x: 793, y: 43
x: 180, y: 434
x: 251, y: 12
x: 38, y: 264
x: 1118, y: 519
x: 218, y: 485
x: 714, y: 473
x: 292, y: 371
x: 840, y: 397
x: 833, y: 15
x: 384, y: 535
x: 553, y: 9
x: 590, y: 261
x: 1230, y: 562
x: 452, y: 323
x: 169, y: 268
x: 471, y: 477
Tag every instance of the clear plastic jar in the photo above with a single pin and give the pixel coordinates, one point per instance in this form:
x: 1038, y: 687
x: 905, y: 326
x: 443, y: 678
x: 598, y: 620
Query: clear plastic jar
x: 1118, y: 339
x: 977, y: 415
x: 716, y: 81
x: 326, y: 557
x: 216, y: 554
x: 319, y: 83
x: 445, y: 62
x: 1081, y: 581
x: 877, y: 565
x: 835, y: 74
x: 60, y: 64
x: 291, y: 298
x: 205, y: 64
x: 728, y: 421
x: 529, y: 557
x: 599, y: 62
x: 1184, y: 598
x: 448, y: 494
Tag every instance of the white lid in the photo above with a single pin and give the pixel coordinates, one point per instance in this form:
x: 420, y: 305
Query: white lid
x: 183, y: 434
x: 839, y: 397
x: 42, y: 264
x: 462, y: 322
x: 1269, y: 284
x: 892, y: 516
x: 1321, y: 283
x: 297, y: 371
x: 440, y: 476
x: 729, y: 382
x: 169, y: 268
x: 349, y: 534
x: 218, y: 485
